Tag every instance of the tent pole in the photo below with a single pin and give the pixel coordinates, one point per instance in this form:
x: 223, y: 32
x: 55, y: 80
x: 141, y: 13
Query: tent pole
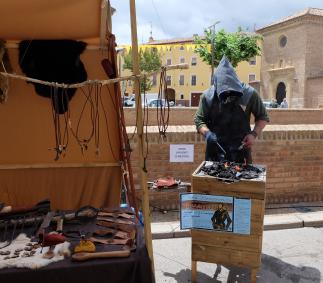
x: 143, y: 173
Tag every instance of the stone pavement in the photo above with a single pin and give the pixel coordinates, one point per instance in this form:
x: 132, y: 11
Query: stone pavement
x: 166, y: 225
x: 292, y: 249
x: 288, y: 256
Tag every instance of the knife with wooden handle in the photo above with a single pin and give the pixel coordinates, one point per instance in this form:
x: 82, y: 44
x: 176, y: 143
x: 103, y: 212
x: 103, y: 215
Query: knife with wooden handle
x: 87, y: 256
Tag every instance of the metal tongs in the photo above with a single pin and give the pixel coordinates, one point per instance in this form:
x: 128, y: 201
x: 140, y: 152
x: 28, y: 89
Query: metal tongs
x: 241, y: 146
x: 221, y: 148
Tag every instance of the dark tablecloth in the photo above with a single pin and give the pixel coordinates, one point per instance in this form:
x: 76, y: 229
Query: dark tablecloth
x: 134, y: 269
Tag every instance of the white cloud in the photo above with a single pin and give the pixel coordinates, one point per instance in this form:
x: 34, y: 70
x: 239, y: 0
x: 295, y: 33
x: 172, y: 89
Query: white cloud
x: 183, y: 18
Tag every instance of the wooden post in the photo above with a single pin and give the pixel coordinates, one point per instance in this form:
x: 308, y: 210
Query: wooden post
x: 194, y: 271
x: 143, y: 173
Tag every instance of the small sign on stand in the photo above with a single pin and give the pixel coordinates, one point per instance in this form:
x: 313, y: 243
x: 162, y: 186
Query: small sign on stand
x: 181, y: 153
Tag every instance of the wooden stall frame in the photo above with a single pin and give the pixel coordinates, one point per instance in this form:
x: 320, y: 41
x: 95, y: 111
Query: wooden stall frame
x: 228, y: 248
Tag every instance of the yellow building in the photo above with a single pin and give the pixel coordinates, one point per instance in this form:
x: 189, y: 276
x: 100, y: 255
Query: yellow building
x: 189, y: 84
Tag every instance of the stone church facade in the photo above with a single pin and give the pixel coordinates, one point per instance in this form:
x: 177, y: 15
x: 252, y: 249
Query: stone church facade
x: 292, y: 59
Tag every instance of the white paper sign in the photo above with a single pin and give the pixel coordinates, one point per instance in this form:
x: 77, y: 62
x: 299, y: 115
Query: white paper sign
x: 181, y: 153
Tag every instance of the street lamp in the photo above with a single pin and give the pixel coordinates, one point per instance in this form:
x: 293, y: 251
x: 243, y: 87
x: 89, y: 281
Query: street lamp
x: 212, y: 48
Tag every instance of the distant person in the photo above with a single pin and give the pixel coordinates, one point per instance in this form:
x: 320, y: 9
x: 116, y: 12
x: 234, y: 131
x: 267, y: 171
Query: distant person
x: 284, y: 103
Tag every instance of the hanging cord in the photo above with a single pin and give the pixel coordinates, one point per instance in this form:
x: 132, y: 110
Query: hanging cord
x: 162, y: 115
x: 89, y: 102
x: 106, y: 121
x: 125, y: 149
x: 4, y: 83
x: 145, y: 126
x: 60, y: 142
x: 135, y: 129
x: 97, y: 95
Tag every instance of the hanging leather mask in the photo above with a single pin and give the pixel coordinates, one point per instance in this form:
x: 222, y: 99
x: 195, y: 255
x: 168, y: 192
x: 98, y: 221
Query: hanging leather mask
x: 53, y: 61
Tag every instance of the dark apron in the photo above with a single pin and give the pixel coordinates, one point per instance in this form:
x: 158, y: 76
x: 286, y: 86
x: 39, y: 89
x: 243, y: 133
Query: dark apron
x: 230, y: 123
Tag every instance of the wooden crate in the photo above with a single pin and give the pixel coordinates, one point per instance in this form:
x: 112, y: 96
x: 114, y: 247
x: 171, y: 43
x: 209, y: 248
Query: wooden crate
x: 229, y: 248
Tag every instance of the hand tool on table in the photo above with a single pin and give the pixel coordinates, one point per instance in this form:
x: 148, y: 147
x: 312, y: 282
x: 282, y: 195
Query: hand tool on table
x: 116, y: 214
x: 87, y: 256
x: 112, y: 241
x: 117, y: 226
x: 116, y: 220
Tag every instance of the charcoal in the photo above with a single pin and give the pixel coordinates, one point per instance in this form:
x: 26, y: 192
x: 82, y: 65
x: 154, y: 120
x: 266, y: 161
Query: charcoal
x: 231, y: 171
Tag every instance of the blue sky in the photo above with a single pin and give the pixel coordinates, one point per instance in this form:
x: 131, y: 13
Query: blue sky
x: 183, y: 18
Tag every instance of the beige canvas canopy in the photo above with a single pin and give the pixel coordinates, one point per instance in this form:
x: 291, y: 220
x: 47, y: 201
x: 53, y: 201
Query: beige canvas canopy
x: 50, y: 19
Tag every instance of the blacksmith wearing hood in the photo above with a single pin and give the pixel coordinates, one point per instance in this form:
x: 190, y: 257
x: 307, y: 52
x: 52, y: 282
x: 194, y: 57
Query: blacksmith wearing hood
x: 223, y: 116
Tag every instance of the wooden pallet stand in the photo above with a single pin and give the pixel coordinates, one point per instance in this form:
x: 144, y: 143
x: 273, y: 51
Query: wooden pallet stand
x: 226, y: 248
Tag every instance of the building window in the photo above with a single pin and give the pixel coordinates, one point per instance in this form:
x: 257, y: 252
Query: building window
x: 169, y: 61
x: 130, y: 83
x: 252, y: 61
x: 193, y: 80
x: 169, y: 80
x: 154, y: 80
x: 283, y: 41
x: 182, y: 47
x: 181, y: 96
x: 181, y: 60
x: 252, y: 77
x: 193, y: 61
x: 181, y: 80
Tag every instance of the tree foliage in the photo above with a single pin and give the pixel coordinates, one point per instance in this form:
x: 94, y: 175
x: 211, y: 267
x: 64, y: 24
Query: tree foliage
x: 149, y: 61
x: 238, y: 46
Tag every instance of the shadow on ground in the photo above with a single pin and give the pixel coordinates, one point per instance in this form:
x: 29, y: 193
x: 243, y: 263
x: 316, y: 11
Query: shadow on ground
x: 273, y: 270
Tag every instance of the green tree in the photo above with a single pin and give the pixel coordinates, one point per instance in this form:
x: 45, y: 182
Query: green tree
x: 238, y: 46
x: 149, y: 61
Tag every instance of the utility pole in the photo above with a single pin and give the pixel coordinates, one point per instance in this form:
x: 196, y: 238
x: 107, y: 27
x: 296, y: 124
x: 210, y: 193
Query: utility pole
x: 212, y: 48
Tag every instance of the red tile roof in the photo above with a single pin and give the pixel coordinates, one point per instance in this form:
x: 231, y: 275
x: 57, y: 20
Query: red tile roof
x: 308, y: 11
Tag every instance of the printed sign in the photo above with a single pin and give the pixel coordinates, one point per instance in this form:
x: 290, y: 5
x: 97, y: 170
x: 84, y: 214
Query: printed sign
x: 181, y: 153
x: 217, y: 213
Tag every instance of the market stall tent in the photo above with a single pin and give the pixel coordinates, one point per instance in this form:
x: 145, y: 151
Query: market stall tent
x: 28, y: 171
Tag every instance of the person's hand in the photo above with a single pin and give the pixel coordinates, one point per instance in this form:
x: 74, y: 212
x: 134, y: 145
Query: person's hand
x: 210, y: 137
x: 249, y: 141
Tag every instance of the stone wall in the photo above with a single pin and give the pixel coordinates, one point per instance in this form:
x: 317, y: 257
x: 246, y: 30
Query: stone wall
x: 293, y: 155
x: 284, y: 64
x: 185, y: 116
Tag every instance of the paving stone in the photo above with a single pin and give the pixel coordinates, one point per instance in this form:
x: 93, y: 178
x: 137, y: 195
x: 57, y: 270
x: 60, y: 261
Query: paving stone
x: 312, y: 219
x: 282, y: 221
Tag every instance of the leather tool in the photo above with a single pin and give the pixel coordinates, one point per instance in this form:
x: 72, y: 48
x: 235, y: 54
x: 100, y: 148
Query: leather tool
x: 87, y: 256
x: 44, y: 225
x: 112, y: 214
x: 117, y: 226
x: 127, y: 242
x: 114, y: 220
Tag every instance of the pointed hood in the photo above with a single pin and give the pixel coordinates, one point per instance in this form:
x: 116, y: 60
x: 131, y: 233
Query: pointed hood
x: 226, y: 79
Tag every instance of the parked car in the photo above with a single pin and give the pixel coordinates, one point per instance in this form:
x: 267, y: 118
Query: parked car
x: 267, y: 103
x: 129, y: 101
x: 271, y: 104
x: 159, y: 102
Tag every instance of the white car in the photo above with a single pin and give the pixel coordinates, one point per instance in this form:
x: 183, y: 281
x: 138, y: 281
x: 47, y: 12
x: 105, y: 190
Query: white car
x: 159, y: 102
x: 129, y: 101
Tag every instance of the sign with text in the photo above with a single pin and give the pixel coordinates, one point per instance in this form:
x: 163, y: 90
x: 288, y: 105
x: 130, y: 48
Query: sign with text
x: 217, y: 213
x: 181, y: 153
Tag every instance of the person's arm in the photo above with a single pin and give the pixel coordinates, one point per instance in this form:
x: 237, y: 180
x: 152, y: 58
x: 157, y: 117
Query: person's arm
x: 258, y: 109
x: 199, y: 119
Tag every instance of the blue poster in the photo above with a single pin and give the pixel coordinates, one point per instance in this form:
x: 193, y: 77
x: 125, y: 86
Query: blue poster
x: 217, y: 213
